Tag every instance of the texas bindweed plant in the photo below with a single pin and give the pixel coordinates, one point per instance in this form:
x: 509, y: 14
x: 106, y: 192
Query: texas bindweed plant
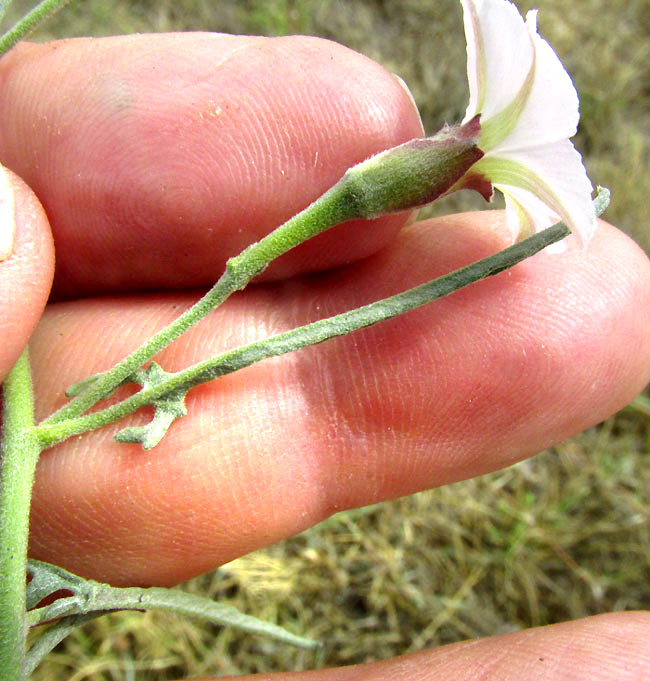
x: 523, y: 108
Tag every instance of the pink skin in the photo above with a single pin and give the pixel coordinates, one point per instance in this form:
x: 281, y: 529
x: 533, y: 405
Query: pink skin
x: 136, y: 147
x: 200, y: 154
x: 25, y: 277
x: 596, y: 648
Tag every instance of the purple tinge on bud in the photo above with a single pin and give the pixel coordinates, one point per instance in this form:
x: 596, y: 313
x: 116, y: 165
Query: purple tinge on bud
x: 415, y: 173
x: 477, y: 183
x: 470, y: 130
x: 473, y: 180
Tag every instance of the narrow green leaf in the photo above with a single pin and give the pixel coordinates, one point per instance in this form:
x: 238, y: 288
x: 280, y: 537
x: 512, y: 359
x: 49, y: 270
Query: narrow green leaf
x: 89, y: 596
x: 52, y: 637
x: 174, y: 600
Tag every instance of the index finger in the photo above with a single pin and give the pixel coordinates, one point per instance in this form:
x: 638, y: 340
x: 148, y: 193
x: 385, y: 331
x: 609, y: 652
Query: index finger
x: 157, y: 157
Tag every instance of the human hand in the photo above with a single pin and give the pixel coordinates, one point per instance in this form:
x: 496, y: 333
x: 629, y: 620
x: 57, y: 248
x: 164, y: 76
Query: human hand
x: 157, y: 158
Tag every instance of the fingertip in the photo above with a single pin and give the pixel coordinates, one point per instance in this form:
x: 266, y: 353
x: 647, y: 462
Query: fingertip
x: 614, y: 646
x: 26, y: 271
x: 608, y: 287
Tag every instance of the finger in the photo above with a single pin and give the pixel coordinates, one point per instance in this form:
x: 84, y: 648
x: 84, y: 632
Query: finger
x: 463, y: 386
x: 26, y: 273
x: 158, y: 157
x: 613, y: 647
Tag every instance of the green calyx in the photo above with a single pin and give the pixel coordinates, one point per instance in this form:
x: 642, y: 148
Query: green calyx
x: 413, y: 174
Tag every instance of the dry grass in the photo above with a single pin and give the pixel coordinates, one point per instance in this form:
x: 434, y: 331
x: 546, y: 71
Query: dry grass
x: 561, y: 536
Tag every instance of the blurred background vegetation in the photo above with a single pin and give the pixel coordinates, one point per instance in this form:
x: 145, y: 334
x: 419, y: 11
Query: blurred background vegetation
x: 561, y: 536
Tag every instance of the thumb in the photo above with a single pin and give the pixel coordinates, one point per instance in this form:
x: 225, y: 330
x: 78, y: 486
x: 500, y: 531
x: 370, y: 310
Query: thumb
x: 26, y: 266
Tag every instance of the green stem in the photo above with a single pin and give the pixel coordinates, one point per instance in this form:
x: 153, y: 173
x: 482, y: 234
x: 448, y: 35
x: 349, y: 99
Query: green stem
x: 29, y: 22
x: 53, y: 636
x: 20, y: 452
x: 382, y: 184
x: 310, y: 334
x: 330, y: 209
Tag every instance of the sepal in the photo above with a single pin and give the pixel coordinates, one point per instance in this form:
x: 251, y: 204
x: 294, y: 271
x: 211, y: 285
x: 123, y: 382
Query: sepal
x: 412, y: 174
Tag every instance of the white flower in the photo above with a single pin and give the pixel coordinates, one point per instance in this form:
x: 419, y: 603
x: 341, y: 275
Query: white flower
x: 529, y: 110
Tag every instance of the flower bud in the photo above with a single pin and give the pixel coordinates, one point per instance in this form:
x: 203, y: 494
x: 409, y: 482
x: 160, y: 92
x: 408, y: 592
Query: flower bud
x: 411, y: 175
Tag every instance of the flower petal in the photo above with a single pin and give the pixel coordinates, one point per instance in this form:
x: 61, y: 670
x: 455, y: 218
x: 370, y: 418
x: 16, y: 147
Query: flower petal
x: 555, y: 175
x: 525, y: 213
x: 551, y: 111
x: 528, y: 110
x: 500, y: 55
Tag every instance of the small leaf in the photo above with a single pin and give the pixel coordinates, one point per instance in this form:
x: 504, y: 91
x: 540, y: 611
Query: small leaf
x: 48, y: 579
x: 156, y: 598
x: 77, y: 388
x: 90, y: 597
x: 166, y: 409
x: 52, y: 637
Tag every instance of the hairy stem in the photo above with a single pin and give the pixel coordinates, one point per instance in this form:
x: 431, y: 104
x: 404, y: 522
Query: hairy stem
x: 310, y: 334
x: 330, y: 209
x: 20, y: 452
x: 367, y: 190
x: 29, y: 22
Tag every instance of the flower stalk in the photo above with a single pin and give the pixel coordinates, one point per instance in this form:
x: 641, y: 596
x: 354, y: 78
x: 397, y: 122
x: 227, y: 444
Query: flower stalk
x: 405, y: 177
x: 29, y: 22
x: 20, y: 452
x: 51, y: 432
